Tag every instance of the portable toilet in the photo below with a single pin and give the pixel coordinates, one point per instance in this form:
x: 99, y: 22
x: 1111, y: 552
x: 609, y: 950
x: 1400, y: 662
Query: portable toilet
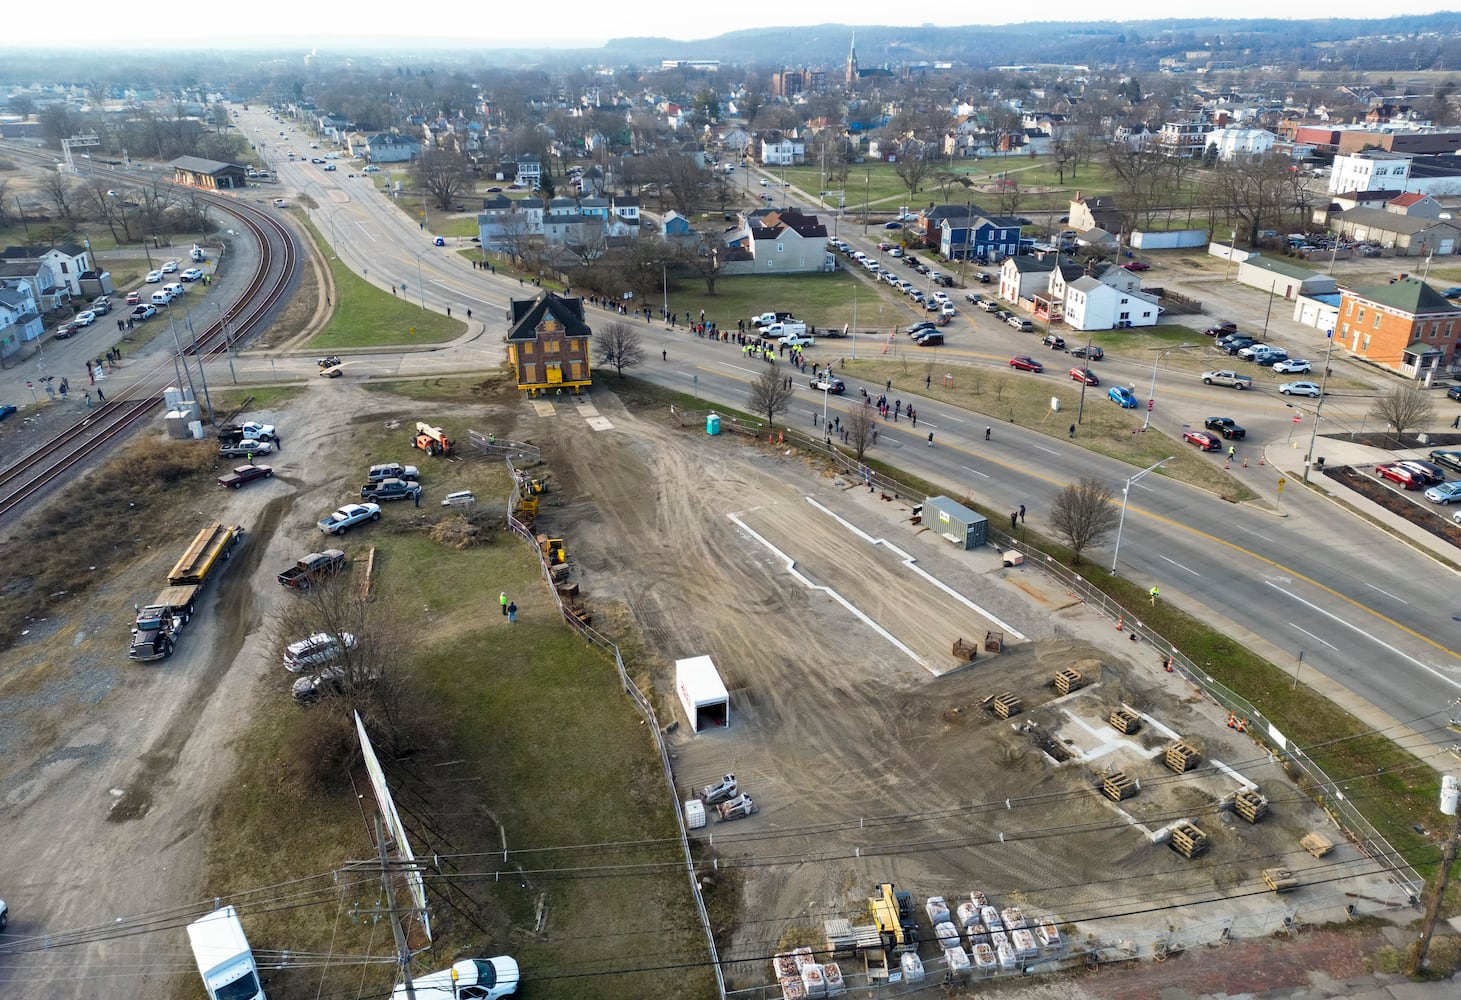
x: 712, y: 424
x: 702, y: 693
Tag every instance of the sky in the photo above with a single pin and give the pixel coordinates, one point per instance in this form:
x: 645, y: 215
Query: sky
x: 324, y: 24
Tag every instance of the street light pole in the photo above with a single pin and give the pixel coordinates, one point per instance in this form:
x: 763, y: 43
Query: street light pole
x: 420, y: 282
x: 1125, y: 496
x: 1323, y: 381
x: 1152, y: 396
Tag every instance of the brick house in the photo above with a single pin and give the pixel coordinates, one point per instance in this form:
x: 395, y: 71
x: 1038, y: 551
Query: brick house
x: 1405, y: 325
x: 548, y: 344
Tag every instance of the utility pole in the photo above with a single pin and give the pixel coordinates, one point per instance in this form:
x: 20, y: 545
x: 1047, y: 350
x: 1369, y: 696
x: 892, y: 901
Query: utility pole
x: 1438, y: 891
x: 1314, y: 431
x: 403, y: 951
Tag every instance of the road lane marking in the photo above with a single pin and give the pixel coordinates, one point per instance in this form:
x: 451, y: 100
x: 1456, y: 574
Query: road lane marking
x: 1387, y: 593
x: 1048, y: 451
x: 975, y: 471
x: 1311, y: 635
x: 1356, y: 629
x: 1181, y: 567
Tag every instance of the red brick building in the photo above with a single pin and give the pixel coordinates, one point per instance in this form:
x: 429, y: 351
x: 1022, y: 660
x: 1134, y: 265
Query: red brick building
x: 1406, y: 326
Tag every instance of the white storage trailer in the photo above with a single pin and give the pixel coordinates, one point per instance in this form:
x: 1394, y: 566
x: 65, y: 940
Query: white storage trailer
x: 702, y: 693
x: 225, y: 960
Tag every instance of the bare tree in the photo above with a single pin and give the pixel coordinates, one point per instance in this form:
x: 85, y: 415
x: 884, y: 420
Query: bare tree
x: 103, y: 206
x: 1083, y: 514
x: 5, y: 201
x: 1007, y: 198
x: 912, y: 166
x: 705, y: 260
x: 859, y: 424
x: 1256, y: 190
x: 442, y: 175
x: 515, y: 234
x: 1404, y: 407
x: 619, y: 345
x: 60, y: 191
x: 770, y: 394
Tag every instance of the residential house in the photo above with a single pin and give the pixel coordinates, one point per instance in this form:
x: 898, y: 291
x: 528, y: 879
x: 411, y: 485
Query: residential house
x: 391, y: 147
x: 623, y: 218
x: 20, y: 320
x: 1405, y: 325
x: 968, y: 230
x: 779, y: 149
x: 778, y: 242
x: 1092, y: 304
x: 1236, y: 143
x: 548, y: 344
x: 67, y: 262
x: 1185, y: 139
x: 1369, y: 170
x: 1097, y: 212
x: 1022, y: 278
x: 505, y: 223
x: 1416, y: 205
x: 529, y: 170
x: 676, y: 225
x: 1408, y: 236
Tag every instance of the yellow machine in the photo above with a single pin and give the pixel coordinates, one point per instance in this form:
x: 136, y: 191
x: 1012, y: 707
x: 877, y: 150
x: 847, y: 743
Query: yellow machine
x: 432, y: 440
x: 893, y: 916
x: 553, y: 550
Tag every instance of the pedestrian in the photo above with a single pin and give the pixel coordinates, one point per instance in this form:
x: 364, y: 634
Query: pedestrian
x: 1072, y: 430
x: 91, y: 374
x: 1456, y: 422
x: 502, y: 599
x: 469, y: 314
x: 889, y: 386
x: 327, y: 300
x: 664, y: 355
x: 988, y: 431
x: 448, y: 312
x: 1232, y: 450
x: 512, y: 612
x: 1022, y: 513
x: 99, y: 395
x: 393, y: 289
x: 1014, y: 520
x: 913, y: 416
x: 88, y: 400
x: 927, y: 381
x: 930, y: 439
x: 837, y: 424
x: 875, y: 435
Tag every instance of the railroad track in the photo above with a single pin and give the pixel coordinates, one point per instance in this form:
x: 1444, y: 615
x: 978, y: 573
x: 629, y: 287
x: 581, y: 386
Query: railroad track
x: 130, y: 408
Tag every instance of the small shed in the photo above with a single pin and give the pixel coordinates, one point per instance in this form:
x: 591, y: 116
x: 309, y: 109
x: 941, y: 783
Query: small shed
x: 957, y: 523
x: 702, y: 693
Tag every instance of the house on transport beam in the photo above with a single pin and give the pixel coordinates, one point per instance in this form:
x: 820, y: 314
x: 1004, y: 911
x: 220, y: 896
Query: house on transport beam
x: 548, y: 344
x: 213, y: 175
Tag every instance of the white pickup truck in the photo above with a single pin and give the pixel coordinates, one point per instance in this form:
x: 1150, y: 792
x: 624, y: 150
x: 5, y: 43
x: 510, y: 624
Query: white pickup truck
x: 784, y: 330
x: 768, y: 318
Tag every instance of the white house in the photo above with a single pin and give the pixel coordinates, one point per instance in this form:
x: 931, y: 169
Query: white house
x: 529, y: 171
x: 1021, y: 277
x: 1091, y: 304
x: 1369, y: 170
x: 20, y: 321
x: 1234, y: 143
x: 67, y: 263
x: 783, y: 151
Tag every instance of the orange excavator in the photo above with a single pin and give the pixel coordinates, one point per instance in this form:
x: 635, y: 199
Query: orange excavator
x: 432, y: 440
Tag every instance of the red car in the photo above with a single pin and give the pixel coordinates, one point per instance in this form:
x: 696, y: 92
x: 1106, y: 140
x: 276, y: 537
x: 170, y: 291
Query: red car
x: 242, y: 474
x: 1084, y: 375
x: 1400, y: 474
x: 1137, y: 265
x: 66, y: 329
x: 1026, y: 364
x: 1203, y: 440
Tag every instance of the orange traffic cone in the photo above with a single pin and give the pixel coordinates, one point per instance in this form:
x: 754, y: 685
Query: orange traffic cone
x: 1260, y: 460
x: 1227, y: 465
x: 1245, y: 463
x: 1232, y: 720
x: 1119, y: 620
x: 1168, y: 664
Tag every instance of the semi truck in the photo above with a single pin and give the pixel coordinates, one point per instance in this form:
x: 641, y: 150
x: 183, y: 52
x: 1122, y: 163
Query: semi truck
x: 225, y: 960
x: 160, y: 621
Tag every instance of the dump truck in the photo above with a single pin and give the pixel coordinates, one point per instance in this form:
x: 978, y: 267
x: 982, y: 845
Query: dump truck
x: 225, y: 960
x: 312, y: 567
x: 159, y: 622
x: 432, y: 440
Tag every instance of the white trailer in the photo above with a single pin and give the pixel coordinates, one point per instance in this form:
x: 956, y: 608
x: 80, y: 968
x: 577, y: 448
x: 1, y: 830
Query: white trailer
x: 225, y: 960
x: 702, y: 693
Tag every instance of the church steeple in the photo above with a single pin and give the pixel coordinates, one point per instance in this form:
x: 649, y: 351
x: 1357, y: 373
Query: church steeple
x: 852, y: 61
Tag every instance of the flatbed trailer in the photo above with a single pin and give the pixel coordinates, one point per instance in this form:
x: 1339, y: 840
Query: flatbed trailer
x: 211, y: 544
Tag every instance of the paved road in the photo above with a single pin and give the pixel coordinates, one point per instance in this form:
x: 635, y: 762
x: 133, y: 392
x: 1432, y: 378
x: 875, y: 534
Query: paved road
x: 1371, y: 614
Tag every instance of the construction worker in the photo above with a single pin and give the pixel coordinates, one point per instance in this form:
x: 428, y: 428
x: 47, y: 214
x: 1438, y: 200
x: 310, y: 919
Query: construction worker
x: 502, y: 599
x: 1155, y: 593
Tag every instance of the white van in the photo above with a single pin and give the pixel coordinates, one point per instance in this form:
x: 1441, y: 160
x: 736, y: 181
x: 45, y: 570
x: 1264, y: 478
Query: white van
x: 175, y: 289
x: 161, y: 298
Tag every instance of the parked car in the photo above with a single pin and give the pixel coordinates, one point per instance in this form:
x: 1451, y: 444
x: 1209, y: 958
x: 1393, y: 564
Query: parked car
x: 1299, y: 389
x: 989, y: 306
x: 348, y: 516
x: 6, y: 410
x: 1454, y: 392
x: 929, y: 338
x: 133, y: 298
x: 153, y: 277
x: 1444, y: 494
x: 1227, y: 377
x: 391, y: 489
x: 1397, y: 473
x: 191, y: 274
x: 1021, y: 324
x: 1450, y: 459
x: 1025, y: 363
x: 1452, y: 293
x: 244, y: 448
x: 1293, y: 366
x: 982, y: 277
x: 67, y: 330
x: 316, y: 650
x: 171, y: 267
x: 918, y: 328
x: 244, y: 474
x: 1092, y: 353
x: 1123, y: 395
x: 973, y: 297
x: 1430, y: 474
x: 85, y: 318
x: 1203, y: 440
x: 143, y: 312
x: 1221, y: 328
x: 1084, y: 375
x: 1054, y: 342
x: 1225, y: 426
x: 1137, y: 265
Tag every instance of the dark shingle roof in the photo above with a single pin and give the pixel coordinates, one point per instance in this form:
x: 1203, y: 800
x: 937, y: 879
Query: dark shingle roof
x: 526, y: 315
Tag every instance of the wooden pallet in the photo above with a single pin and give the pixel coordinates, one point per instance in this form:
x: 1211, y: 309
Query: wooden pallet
x: 1250, y: 805
x: 964, y: 650
x: 1069, y: 680
x: 993, y: 642
x: 1123, y: 720
x: 1188, y: 840
x: 1117, y: 786
x: 1006, y: 705
x: 1316, y: 844
x: 1280, y: 879
x: 1182, y: 757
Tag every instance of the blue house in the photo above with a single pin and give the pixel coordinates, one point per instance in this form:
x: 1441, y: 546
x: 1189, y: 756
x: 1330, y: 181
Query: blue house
x: 389, y: 147
x: 969, y: 230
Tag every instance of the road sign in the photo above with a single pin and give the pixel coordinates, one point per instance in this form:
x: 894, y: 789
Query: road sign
x: 1281, y: 481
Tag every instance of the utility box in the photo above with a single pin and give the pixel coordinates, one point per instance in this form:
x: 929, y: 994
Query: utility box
x: 702, y: 693
x: 957, y: 523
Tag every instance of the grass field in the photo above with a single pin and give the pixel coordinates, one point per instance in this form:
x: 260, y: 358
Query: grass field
x: 534, y: 746
x: 365, y: 316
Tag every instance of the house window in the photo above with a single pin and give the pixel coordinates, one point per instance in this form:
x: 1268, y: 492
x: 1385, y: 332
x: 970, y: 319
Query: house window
x: 1146, y: 315
x: 552, y: 347
x: 1350, y: 310
x: 1377, y: 320
x: 1361, y: 317
x: 779, y: 246
x: 527, y: 350
x: 1125, y: 315
x: 1365, y: 348
x: 1448, y: 331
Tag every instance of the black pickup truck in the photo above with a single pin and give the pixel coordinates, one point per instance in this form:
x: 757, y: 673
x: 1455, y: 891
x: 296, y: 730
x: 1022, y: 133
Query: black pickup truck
x: 390, y: 489
x: 311, y: 567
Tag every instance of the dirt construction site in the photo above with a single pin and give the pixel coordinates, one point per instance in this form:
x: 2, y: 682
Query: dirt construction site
x: 874, y: 754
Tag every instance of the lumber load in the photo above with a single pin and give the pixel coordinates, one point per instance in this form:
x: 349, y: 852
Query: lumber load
x: 1316, y: 843
x: 1280, y: 879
